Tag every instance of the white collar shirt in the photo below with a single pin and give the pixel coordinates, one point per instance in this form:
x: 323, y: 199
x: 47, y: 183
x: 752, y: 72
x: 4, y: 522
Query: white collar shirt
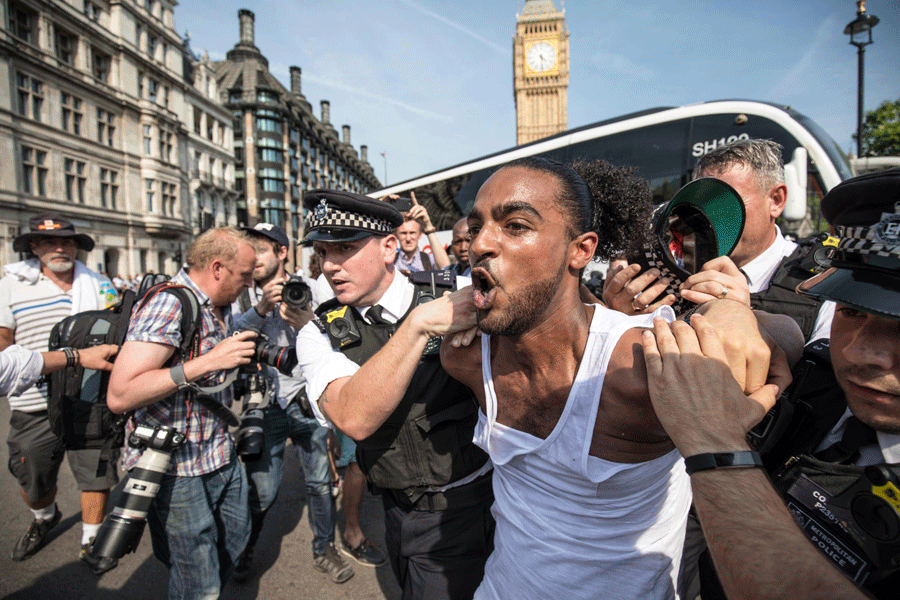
x: 760, y: 270
x: 321, y: 364
x: 395, y: 301
x: 887, y: 450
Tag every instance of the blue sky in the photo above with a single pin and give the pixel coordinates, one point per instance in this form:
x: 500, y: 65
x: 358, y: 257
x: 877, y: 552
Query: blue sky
x: 429, y: 82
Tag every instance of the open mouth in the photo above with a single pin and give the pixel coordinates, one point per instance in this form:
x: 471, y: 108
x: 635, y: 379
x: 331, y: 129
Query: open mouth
x: 483, y: 289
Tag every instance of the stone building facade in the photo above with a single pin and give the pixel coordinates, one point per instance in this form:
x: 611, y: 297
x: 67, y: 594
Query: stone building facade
x: 112, y: 121
x: 93, y: 125
x: 281, y: 147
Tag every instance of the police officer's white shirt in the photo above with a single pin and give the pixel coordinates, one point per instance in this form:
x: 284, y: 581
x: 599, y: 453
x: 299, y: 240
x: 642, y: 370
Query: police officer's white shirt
x: 19, y: 369
x: 759, y: 273
x: 321, y: 364
x: 887, y: 450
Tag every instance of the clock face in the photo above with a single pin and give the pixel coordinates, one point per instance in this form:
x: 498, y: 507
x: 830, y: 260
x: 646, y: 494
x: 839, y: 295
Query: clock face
x: 541, y: 56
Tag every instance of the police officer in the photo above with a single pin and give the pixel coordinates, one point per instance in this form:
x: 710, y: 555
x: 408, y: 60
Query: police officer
x: 369, y: 345
x: 834, y: 450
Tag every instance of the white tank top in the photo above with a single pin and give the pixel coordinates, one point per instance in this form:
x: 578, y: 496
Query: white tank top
x: 572, y: 525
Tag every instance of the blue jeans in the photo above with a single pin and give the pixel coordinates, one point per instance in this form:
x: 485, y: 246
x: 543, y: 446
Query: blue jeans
x: 311, y: 441
x: 199, y: 527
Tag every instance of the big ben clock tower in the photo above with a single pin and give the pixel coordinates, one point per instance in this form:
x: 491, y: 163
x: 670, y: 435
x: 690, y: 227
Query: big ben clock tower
x: 540, y: 71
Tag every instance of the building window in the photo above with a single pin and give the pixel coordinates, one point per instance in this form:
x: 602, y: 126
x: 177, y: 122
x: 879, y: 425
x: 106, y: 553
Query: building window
x: 22, y: 22
x: 272, y: 125
x: 169, y: 196
x: 239, y: 154
x: 66, y: 45
x: 147, y: 141
x: 100, y: 65
x: 148, y: 184
x: 210, y: 127
x: 91, y: 11
x: 165, y: 146
x: 75, y: 180
x: 109, y: 188
x: 165, y: 96
x: 152, y: 90
x: 31, y: 96
x: 266, y: 96
x: 151, y: 45
x: 148, y: 5
x: 270, y: 155
x: 106, y: 127
x: 235, y: 96
x: 71, y: 113
x: 34, y: 171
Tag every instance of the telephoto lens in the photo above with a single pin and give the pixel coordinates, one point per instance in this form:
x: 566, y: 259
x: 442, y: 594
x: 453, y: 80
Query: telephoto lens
x: 296, y: 292
x: 250, y: 437
x: 122, y: 529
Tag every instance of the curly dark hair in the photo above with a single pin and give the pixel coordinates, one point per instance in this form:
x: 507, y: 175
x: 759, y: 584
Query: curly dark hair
x: 611, y: 201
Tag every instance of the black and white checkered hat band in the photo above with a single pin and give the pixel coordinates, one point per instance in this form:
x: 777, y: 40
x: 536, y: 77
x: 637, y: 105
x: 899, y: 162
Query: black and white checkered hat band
x: 863, y: 240
x: 674, y: 280
x: 336, y: 218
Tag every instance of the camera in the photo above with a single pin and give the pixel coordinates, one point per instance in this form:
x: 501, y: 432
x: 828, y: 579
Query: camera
x: 296, y: 292
x: 404, y: 205
x: 122, y: 529
x: 283, y: 358
x: 249, y: 438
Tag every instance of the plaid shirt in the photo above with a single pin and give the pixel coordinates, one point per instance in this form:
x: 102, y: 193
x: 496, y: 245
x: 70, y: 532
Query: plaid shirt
x: 209, y: 446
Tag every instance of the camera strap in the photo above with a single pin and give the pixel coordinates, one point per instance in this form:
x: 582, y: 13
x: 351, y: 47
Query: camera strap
x: 204, y: 394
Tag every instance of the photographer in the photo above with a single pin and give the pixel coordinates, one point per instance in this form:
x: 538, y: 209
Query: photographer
x: 199, y: 516
x: 416, y: 222
x: 284, y: 416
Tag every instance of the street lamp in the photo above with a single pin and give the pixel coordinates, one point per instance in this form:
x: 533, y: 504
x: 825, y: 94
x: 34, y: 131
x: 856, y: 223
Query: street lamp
x: 860, y: 32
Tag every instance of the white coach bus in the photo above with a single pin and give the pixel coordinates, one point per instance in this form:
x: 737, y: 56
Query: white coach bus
x: 664, y: 144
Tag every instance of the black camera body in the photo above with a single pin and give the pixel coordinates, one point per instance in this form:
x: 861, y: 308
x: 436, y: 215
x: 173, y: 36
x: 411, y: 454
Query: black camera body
x: 122, y: 529
x: 296, y: 293
x: 283, y: 358
x: 402, y: 204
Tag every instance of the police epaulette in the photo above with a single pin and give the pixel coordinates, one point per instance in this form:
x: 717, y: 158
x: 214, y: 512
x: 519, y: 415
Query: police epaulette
x: 318, y: 323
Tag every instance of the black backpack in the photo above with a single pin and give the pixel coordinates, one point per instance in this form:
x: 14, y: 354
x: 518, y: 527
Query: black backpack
x: 76, y: 405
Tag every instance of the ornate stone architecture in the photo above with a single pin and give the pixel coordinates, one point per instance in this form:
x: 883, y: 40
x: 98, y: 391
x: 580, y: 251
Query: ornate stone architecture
x: 281, y: 148
x: 93, y: 127
x: 540, y: 71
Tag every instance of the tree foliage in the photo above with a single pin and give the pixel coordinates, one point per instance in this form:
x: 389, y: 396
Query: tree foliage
x: 881, y: 130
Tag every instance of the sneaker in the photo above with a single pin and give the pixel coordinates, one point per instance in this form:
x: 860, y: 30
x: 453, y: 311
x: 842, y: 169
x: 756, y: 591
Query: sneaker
x: 334, y: 564
x: 242, y: 568
x: 365, y: 554
x: 98, y: 564
x: 33, y: 539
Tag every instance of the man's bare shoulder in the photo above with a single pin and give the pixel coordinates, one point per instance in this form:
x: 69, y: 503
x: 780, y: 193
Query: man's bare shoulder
x: 626, y: 412
x: 626, y: 372
x: 463, y: 363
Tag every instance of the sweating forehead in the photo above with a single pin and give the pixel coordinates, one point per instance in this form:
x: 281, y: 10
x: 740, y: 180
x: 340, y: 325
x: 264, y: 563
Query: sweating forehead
x: 517, y: 187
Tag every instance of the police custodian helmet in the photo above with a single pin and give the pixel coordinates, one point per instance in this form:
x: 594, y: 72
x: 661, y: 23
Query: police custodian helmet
x: 337, y: 216
x: 865, y: 268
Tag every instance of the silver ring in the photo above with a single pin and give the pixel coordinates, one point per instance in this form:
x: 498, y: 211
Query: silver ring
x: 724, y: 292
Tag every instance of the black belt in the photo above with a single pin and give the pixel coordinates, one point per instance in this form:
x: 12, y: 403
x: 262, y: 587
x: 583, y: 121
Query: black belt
x: 469, y: 494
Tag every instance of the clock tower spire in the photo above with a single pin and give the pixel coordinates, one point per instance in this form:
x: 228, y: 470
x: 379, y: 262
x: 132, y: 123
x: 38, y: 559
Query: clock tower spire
x: 540, y: 71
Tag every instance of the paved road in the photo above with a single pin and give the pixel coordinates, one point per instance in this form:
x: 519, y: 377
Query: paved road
x: 283, y: 560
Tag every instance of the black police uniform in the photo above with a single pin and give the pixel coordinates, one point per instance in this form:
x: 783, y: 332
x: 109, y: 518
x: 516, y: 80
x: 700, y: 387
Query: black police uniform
x: 438, y: 541
x: 851, y: 513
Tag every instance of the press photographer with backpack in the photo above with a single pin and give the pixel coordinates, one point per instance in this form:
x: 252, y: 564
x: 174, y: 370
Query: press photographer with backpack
x: 205, y: 486
x: 35, y: 294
